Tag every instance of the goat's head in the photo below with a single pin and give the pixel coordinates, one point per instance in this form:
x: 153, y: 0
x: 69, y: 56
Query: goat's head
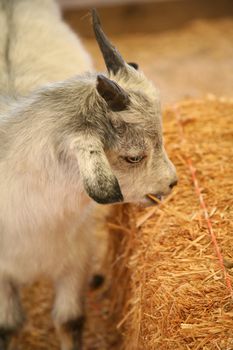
x: 128, y: 160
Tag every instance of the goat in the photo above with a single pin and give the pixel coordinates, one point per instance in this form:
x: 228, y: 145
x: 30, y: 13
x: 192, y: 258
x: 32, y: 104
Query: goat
x: 67, y: 142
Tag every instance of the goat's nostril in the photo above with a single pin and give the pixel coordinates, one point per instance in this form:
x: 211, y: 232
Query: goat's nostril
x: 173, y: 184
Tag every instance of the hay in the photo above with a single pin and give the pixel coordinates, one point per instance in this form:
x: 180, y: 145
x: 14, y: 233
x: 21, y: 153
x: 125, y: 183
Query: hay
x: 169, y: 290
x: 165, y: 287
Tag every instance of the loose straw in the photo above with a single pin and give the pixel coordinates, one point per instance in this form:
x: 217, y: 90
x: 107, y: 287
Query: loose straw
x: 202, y: 203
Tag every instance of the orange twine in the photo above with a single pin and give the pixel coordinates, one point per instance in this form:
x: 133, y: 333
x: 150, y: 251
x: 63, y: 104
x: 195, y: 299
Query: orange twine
x: 203, y: 205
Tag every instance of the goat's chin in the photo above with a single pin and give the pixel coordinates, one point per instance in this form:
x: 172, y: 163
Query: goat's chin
x: 143, y: 202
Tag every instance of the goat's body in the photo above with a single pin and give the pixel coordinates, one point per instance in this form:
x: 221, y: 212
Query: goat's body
x: 44, y: 215
x: 44, y: 211
x: 36, y: 208
x: 63, y: 136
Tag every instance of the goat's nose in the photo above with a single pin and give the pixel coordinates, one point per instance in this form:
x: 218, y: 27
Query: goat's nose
x: 173, y: 184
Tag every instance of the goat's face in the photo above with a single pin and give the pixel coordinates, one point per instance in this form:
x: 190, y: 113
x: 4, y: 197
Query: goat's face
x: 137, y: 157
x: 130, y: 162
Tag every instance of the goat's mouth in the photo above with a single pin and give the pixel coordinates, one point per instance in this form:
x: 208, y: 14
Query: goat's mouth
x: 155, y: 198
x: 152, y: 199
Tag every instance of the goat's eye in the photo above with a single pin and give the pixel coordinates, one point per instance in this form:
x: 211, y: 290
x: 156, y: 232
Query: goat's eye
x: 136, y: 159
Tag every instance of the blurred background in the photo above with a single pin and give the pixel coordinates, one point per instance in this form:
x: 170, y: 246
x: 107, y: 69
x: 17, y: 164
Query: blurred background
x: 185, y: 47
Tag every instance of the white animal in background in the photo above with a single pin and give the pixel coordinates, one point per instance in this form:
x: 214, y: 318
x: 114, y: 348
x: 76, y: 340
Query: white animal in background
x: 67, y: 142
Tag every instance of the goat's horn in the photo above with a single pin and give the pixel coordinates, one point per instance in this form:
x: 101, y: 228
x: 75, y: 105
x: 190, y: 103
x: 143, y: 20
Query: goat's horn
x: 112, y: 57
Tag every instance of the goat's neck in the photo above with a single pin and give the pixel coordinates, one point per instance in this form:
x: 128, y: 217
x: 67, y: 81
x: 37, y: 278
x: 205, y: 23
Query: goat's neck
x: 37, y: 132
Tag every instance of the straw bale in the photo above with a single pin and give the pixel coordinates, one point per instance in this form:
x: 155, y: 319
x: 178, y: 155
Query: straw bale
x: 165, y: 272
x: 164, y: 286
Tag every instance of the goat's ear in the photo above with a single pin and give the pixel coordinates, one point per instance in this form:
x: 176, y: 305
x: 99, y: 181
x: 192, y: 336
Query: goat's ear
x: 134, y: 65
x: 98, y: 179
x: 116, y: 98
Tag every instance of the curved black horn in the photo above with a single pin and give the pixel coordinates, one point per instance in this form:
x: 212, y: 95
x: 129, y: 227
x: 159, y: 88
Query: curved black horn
x: 112, y: 57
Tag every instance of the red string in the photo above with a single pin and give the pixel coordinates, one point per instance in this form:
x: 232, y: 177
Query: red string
x: 203, y: 205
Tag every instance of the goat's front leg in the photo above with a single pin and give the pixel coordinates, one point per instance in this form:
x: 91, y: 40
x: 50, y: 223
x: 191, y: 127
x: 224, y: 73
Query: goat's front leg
x: 69, y: 309
x: 11, y: 315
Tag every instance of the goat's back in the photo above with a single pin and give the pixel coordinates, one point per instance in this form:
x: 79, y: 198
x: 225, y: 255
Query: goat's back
x: 36, y: 46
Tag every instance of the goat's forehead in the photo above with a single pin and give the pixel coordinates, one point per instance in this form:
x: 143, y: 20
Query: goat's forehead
x: 139, y: 137
x: 144, y: 115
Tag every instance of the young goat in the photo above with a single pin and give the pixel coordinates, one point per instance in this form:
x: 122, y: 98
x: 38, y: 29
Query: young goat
x: 63, y: 147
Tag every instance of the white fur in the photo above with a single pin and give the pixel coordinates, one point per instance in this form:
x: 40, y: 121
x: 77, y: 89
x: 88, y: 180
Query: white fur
x: 46, y: 222
x: 43, y: 49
